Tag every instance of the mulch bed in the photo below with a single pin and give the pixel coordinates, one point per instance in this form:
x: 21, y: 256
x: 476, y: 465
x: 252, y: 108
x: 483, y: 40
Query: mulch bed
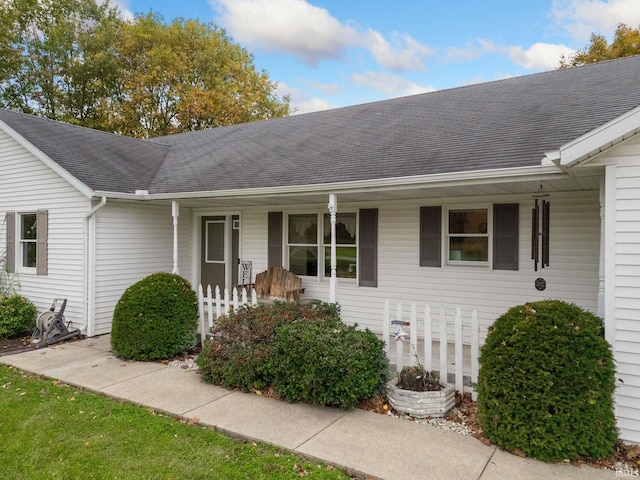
x: 10, y: 346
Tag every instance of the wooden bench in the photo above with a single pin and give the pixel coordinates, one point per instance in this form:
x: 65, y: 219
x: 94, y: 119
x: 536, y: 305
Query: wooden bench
x: 277, y: 283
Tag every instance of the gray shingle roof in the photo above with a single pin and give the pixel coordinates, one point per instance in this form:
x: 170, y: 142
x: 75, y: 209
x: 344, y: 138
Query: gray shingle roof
x: 100, y: 160
x: 502, y: 124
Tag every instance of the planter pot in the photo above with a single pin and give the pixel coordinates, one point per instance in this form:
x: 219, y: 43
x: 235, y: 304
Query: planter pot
x: 421, y: 404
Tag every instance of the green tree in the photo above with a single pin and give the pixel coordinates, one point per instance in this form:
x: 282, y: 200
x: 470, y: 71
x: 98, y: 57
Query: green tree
x: 185, y: 76
x: 79, y: 61
x: 626, y: 42
x: 58, y: 58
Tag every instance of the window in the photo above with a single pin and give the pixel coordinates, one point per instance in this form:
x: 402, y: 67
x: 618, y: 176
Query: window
x: 477, y: 235
x: 468, y: 236
x: 26, y: 246
x: 28, y: 239
x: 346, y: 251
x: 307, y: 239
x: 302, y: 244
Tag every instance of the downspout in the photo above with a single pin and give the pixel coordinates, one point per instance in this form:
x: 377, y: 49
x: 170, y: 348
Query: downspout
x: 89, y: 270
x: 175, y: 213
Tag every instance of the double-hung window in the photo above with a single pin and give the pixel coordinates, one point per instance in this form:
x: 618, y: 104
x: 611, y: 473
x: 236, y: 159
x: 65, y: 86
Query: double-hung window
x: 468, y: 236
x: 28, y: 240
x: 309, y: 244
x: 346, y: 250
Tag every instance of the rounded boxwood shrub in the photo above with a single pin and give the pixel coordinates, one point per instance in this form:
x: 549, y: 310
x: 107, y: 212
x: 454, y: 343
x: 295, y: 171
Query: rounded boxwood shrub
x: 328, y: 364
x: 546, y: 383
x: 17, y: 316
x: 156, y: 318
x: 239, y: 353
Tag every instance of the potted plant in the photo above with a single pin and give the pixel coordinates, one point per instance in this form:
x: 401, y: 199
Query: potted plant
x: 419, y: 393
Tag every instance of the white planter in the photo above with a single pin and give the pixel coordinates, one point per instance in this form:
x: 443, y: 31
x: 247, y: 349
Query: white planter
x: 421, y: 404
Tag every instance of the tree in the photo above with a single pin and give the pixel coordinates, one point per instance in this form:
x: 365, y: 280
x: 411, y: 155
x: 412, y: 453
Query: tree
x: 187, y: 76
x: 58, y: 58
x: 79, y: 61
x: 626, y: 42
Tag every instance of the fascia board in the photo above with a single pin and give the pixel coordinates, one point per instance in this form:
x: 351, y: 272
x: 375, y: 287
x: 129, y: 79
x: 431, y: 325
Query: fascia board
x: 480, y: 177
x: 40, y: 155
x: 601, y: 138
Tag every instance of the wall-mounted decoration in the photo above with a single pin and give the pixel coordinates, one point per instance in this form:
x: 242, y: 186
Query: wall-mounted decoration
x: 540, y: 232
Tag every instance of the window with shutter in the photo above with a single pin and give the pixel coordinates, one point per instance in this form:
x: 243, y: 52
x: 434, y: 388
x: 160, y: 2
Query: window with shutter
x: 470, y: 238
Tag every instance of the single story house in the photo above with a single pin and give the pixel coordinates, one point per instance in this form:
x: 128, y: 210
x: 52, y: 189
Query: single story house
x: 433, y: 197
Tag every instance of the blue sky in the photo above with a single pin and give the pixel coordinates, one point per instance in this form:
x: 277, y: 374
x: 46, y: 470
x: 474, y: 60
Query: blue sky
x: 334, y: 53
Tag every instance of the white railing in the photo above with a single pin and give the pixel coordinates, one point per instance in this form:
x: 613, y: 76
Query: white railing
x: 461, y: 350
x: 214, y: 304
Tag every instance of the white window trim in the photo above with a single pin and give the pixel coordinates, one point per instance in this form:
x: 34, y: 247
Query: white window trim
x: 446, y: 235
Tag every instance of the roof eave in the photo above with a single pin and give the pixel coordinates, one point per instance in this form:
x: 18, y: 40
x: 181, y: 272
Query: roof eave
x: 452, y: 179
x: 596, y: 141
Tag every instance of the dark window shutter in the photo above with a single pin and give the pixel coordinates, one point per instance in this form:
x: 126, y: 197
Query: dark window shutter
x: 10, y: 223
x: 430, y: 236
x: 274, y: 233
x: 368, y: 248
x: 42, y: 219
x: 505, y: 236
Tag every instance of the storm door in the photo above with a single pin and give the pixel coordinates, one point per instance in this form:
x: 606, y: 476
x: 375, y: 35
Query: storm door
x: 220, y: 253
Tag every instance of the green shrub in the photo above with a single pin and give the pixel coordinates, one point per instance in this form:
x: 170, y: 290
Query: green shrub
x: 17, y: 316
x: 239, y: 354
x: 155, y: 318
x: 546, y: 383
x: 328, y: 364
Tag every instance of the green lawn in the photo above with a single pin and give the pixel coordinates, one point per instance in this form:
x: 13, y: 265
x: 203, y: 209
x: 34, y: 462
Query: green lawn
x: 49, y: 430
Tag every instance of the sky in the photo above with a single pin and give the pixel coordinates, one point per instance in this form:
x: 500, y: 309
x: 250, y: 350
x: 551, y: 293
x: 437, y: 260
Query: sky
x: 333, y: 53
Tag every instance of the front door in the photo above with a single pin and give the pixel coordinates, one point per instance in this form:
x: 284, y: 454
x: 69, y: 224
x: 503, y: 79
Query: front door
x: 220, y: 254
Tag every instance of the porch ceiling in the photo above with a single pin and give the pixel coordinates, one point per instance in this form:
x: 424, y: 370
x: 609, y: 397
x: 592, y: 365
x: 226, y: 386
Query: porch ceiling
x: 586, y: 179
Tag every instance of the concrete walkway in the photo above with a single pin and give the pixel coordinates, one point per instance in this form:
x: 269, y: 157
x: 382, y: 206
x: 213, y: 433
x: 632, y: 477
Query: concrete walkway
x: 364, y: 443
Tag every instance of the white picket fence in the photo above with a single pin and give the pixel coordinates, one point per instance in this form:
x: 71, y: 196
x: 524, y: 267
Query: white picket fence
x: 441, y: 339
x: 214, y: 304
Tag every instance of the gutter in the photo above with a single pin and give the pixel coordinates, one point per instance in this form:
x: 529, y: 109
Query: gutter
x: 89, y: 270
x: 408, y: 182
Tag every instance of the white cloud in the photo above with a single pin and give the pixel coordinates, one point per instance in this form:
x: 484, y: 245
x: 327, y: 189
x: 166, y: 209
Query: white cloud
x: 390, y: 85
x: 401, y: 55
x: 580, y: 18
x: 122, y: 6
x: 471, y: 51
x: 300, y: 102
x: 539, y: 56
x: 312, y: 34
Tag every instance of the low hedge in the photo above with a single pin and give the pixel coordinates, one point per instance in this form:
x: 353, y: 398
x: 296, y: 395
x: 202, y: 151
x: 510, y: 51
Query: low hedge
x: 17, y: 316
x: 303, y: 352
x: 328, y: 364
x: 546, y: 383
x: 240, y: 352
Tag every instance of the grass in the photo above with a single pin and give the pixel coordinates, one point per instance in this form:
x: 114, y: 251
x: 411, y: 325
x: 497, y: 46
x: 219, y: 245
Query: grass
x: 49, y: 430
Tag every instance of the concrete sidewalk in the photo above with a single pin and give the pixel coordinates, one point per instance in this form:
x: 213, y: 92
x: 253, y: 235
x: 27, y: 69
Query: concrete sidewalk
x: 361, y: 442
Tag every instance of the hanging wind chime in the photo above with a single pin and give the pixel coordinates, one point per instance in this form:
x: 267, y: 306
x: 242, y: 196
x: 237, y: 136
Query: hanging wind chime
x: 540, y: 236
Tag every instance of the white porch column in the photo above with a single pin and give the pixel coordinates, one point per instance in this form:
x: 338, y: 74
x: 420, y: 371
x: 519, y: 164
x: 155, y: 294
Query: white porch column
x: 609, y: 255
x: 175, y: 212
x: 333, y: 208
x: 601, y: 311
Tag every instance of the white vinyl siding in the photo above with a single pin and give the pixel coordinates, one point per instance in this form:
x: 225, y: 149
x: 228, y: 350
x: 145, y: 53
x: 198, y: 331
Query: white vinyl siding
x: 28, y: 185
x: 625, y: 292
x: 572, y: 274
x: 133, y: 241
